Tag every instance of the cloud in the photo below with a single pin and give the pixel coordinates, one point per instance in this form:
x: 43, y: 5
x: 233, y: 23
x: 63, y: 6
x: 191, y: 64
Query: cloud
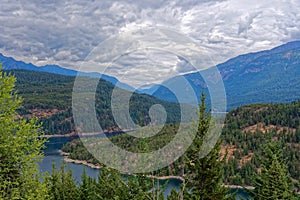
x: 65, y: 32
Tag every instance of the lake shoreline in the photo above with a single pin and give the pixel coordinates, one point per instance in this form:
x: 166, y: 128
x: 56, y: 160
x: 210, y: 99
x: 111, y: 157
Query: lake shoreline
x: 76, y: 135
x: 97, y: 166
x: 82, y: 162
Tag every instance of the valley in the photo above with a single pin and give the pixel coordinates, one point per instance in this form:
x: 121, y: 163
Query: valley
x: 266, y: 109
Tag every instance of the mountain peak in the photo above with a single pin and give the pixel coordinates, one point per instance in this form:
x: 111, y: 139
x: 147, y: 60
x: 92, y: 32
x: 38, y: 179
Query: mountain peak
x: 260, y: 77
x: 286, y: 47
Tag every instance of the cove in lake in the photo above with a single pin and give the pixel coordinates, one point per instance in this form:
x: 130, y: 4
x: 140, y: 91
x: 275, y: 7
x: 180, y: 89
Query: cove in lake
x: 52, y: 155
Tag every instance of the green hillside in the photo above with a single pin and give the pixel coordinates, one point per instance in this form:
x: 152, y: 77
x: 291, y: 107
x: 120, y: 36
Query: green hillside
x: 270, y: 76
x: 246, y: 130
x: 49, y: 97
x: 249, y: 127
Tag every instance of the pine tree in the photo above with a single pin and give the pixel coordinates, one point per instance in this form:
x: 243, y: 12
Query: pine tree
x: 273, y: 182
x: 20, y: 147
x: 61, y: 184
x: 85, y: 187
x: 112, y: 185
x: 205, y: 175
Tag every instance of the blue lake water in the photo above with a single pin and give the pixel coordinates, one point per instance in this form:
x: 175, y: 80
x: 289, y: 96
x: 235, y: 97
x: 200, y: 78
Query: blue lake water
x: 52, y: 155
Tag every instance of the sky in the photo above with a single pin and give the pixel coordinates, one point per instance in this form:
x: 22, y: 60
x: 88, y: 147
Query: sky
x: 67, y: 32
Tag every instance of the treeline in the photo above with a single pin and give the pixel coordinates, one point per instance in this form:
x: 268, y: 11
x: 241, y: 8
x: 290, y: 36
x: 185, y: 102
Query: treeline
x: 78, y: 150
x: 21, y: 147
x: 249, y: 127
x: 52, y: 93
x: 202, y: 180
x: 203, y: 177
x: 109, y: 185
x: 267, y: 170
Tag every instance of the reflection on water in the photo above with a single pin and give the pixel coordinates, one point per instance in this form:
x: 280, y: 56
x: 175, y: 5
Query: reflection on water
x: 52, y: 155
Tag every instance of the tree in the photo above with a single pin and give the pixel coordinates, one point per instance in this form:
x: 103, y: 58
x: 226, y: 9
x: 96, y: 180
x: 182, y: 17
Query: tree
x: 87, y: 187
x: 273, y: 182
x: 205, y: 175
x: 61, y: 184
x: 112, y: 185
x: 20, y: 147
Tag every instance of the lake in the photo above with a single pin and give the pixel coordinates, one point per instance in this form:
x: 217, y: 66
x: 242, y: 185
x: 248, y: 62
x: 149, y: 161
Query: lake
x: 52, y: 155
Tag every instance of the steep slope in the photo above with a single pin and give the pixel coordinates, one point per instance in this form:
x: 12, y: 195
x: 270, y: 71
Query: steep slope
x: 10, y: 63
x: 245, y: 131
x: 248, y: 127
x: 48, y: 96
x: 261, y: 77
x: 267, y: 76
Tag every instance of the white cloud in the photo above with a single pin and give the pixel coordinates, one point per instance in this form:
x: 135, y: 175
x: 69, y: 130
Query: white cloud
x: 64, y: 32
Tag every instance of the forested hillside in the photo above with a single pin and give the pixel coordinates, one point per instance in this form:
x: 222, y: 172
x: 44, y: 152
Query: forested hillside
x: 21, y: 149
x: 247, y: 129
x: 49, y: 97
x: 260, y: 77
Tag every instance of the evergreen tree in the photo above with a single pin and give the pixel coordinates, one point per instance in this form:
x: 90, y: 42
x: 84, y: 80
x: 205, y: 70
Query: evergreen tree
x: 87, y: 188
x: 273, y: 182
x: 20, y: 147
x: 174, y: 195
x: 205, y: 175
x: 112, y: 185
x: 61, y: 185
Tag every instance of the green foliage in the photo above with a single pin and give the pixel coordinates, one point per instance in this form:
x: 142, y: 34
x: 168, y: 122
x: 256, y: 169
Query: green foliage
x: 204, y: 175
x: 175, y: 195
x: 48, y: 92
x: 87, y: 188
x: 61, y: 185
x: 271, y: 122
x: 165, y: 134
x: 111, y: 185
x: 20, y: 148
x: 247, y: 144
x: 273, y: 182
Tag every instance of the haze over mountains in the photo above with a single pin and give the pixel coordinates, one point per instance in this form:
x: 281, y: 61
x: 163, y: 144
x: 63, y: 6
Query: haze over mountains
x: 266, y: 76
x: 10, y: 63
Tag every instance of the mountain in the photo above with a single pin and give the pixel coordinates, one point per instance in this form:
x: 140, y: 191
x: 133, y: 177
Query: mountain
x: 248, y: 128
x: 148, y: 89
x: 10, y: 63
x: 48, y: 97
x: 266, y: 76
x: 262, y: 77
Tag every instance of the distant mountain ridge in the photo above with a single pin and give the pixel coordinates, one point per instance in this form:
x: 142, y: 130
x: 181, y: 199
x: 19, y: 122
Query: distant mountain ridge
x: 262, y: 77
x: 48, y: 97
x: 268, y: 76
x: 10, y: 63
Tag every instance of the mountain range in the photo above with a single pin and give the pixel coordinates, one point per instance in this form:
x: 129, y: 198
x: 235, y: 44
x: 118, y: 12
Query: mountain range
x: 262, y: 77
x: 10, y: 63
